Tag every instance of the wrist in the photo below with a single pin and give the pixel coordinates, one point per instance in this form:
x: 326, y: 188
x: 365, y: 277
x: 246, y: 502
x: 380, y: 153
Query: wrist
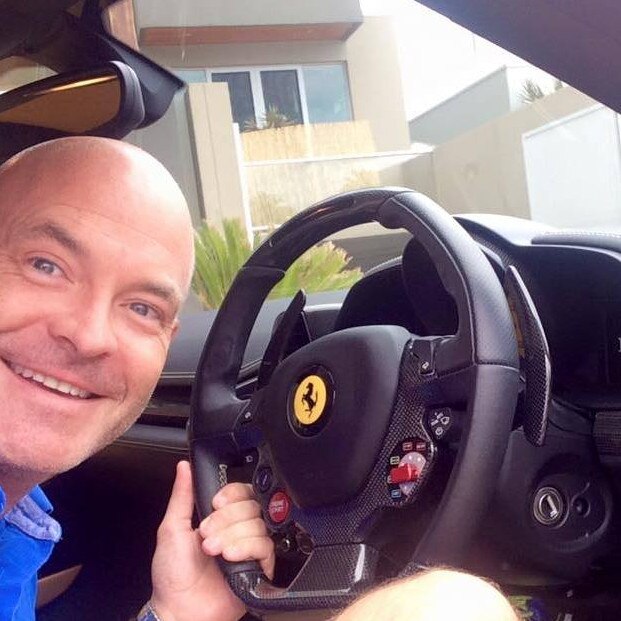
x: 183, y: 609
x: 155, y: 611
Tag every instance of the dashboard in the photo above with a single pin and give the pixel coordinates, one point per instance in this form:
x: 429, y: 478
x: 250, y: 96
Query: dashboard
x: 573, y: 283
x: 576, y: 290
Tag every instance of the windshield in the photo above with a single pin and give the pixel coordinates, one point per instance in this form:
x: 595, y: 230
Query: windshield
x: 16, y: 72
x: 291, y: 102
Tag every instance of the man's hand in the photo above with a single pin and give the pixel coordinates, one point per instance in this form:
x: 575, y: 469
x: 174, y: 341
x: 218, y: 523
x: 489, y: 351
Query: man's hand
x: 187, y: 583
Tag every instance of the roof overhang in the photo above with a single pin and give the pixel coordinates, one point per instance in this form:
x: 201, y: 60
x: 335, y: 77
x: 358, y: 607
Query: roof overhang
x: 265, y: 33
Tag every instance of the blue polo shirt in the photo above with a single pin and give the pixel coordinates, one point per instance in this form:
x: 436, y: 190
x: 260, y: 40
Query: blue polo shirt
x: 27, y: 536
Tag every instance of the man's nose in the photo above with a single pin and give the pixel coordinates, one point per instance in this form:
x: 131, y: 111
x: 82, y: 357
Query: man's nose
x: 87, y: 329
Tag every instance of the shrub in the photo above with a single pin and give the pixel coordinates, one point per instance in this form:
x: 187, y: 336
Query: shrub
x: 272, y: 119
x: 220, y: 255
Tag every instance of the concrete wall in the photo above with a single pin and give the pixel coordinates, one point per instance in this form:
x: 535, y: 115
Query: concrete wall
x: 244, y: 12
x: 419, y: 174
x: 299, y: 184
x: 170, y: 140
x: 196, y: 141
x: 483, y: 169
x: 247, y: 54
x: 573, y: 170
x: 486, y: 99
x: 494, y: 95
x: 217, y: 153
x: 375, y: 83
x: 370, y: 54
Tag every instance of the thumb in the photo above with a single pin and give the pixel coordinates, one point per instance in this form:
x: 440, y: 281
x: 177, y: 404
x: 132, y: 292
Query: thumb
x: 181, y: 504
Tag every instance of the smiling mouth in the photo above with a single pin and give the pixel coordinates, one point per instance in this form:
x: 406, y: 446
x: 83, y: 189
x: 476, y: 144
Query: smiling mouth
x: 49, y: 382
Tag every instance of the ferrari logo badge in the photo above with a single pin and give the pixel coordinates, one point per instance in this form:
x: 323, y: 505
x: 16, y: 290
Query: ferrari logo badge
x: 310, y: 400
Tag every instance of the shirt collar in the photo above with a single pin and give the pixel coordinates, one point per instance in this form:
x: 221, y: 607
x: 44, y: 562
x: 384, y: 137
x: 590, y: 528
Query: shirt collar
x: 31, y: 516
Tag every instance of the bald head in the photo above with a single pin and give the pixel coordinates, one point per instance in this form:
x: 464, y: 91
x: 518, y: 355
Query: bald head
x: 96, y: 253
x: 114, y: 179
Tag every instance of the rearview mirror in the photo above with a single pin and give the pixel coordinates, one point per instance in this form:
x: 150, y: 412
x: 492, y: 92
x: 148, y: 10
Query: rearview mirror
x: 105, y: 101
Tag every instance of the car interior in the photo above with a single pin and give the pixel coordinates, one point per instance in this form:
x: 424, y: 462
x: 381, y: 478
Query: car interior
x: 469, y: 381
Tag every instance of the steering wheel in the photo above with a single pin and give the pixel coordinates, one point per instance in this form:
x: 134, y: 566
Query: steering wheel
x: 347, y: 426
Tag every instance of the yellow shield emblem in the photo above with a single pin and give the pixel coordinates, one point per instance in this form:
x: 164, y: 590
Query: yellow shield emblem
x: 310, y: 400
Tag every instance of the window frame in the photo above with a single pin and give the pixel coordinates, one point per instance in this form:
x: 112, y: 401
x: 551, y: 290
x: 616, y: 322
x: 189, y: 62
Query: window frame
x: 258, y: 97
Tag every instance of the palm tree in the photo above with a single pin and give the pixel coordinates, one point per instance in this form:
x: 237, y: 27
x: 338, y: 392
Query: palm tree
x: 531, y: 91
x: 272, y: 119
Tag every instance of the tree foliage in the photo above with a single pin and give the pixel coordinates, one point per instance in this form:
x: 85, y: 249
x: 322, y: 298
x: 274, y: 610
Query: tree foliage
x: 272, y: 119
x: 221, y: 253
x: 219, y: 256
x: 531, y: 91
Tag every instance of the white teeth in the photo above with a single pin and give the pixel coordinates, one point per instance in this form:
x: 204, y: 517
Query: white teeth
x: 50, y: 382
x: 63, y: 387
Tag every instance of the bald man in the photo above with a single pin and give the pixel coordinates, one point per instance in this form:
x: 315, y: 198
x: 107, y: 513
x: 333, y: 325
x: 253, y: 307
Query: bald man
x: 96, y: 257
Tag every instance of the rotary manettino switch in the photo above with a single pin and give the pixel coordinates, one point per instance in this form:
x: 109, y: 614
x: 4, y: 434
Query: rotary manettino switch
x: 403, y: 474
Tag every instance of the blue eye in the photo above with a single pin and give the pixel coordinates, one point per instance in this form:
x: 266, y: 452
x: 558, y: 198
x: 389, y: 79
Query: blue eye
x: 45, y: 265
x: 144, y: 310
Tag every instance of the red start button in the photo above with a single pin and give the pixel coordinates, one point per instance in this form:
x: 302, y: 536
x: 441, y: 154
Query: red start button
x: 279, y: 507
x: 403, y: 474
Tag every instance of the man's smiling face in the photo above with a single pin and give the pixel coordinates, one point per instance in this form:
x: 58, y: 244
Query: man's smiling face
x: 95, y: 259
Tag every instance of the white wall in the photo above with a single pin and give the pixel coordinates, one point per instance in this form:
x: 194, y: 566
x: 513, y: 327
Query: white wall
x: 482, y: 101
x: 489, y: 98
x: 573, y: 170
x: 483, y: 170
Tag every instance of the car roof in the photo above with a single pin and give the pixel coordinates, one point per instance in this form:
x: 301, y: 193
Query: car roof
x: 576, y: 41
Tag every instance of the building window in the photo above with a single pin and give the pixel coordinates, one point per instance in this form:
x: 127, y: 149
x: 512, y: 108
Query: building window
x: 281, y: 92
x: 302, y: 93
x: 327, y: 93
x: 240, y: 93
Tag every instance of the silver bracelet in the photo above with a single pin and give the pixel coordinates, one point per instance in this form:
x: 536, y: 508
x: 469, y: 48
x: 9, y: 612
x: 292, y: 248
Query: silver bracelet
x: 147, y: 613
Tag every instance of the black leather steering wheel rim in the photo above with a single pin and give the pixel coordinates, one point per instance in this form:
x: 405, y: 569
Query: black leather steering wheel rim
x: 482, y: 352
